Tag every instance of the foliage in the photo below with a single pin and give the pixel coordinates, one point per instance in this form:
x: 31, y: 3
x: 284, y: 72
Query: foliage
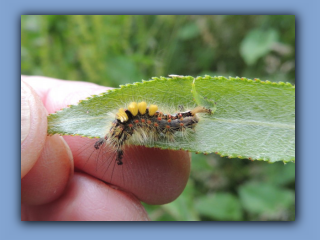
x: 254, y: 119
x: 113, y: 50
x: 224, y: 189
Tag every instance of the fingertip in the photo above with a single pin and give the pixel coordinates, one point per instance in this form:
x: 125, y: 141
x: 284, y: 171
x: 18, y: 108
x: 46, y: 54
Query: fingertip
x: 161, y: 175
x: 48, y: 178
x: 33, y: 127
x: 153, y: 175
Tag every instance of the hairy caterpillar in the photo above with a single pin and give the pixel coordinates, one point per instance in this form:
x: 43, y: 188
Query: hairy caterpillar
x: 146, y: 124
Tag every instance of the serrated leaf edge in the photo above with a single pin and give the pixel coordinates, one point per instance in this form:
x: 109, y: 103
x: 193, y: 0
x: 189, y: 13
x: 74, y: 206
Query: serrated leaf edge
x: 155, y: 79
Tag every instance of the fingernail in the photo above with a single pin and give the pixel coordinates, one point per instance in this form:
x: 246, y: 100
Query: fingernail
x: 25, y: 112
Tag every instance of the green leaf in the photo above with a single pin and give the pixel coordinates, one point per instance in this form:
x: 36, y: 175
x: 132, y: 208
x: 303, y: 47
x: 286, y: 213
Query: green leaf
x: 189, y: 31
x: 266, y: 199
x: 279, y: 175
x: 253, y: 119
x: 257, y: 43
x: 220, y: 206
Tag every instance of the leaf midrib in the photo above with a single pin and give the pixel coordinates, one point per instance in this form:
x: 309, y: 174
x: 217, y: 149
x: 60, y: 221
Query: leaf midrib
x: 256, y: 123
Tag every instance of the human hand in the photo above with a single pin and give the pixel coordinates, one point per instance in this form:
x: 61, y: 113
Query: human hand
x: 50, y: 188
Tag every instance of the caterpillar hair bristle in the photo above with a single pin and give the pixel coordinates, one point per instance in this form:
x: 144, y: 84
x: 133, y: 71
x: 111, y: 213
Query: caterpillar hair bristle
x: 147, y: 125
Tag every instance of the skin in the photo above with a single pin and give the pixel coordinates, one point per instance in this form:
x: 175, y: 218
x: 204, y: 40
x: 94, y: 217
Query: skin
x: 63, y: 179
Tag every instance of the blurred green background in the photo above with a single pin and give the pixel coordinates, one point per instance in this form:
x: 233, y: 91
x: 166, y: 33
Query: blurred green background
x: 114, y: 50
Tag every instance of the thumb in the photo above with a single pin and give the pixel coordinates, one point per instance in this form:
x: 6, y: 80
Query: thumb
x: 33, y: 127
x: 46, y: 161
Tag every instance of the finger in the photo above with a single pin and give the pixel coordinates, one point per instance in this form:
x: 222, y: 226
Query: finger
x: 33, y: 127
x: 57, y: 94
x: 88, y: 199
x: 48, y: 178
x: 153, y: 175
x: 145, y: 178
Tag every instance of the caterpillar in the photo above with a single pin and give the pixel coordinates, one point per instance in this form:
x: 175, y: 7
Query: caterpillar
x: 146, y: 124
